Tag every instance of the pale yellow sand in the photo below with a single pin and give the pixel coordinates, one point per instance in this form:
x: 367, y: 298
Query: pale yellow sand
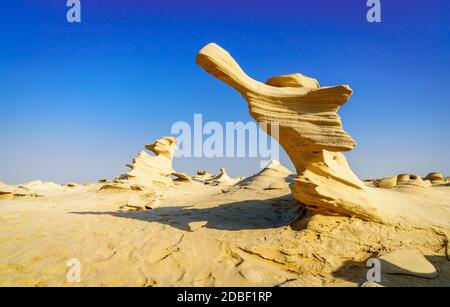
x: 203, y: 236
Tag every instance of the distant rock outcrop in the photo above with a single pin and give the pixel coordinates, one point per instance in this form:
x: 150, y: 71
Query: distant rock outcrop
x: 148, y: 171
x: 36, y: 188
x: 222, y: 179
x: 402, y: 180
x: 436, y: 178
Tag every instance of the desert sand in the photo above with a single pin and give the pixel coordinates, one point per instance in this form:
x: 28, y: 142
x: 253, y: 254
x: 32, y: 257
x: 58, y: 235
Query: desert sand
x: 195, y: 234
x: 155, y: 226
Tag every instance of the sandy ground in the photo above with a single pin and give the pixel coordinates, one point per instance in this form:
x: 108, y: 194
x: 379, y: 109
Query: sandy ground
x: 203, y: 236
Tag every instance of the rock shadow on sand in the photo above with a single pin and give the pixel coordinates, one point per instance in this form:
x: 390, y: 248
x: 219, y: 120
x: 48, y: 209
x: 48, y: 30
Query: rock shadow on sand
x: 242, y: 215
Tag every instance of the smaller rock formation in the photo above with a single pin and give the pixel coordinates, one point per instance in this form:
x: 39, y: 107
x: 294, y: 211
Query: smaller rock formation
x: 222, y: 179
x: 149, y: 171
x: 387, y: 182
x: 411, y: 180
x: 402, y: 180
x: 435, y: 178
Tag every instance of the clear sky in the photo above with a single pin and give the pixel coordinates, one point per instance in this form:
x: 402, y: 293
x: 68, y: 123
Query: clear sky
x: 78, y: 101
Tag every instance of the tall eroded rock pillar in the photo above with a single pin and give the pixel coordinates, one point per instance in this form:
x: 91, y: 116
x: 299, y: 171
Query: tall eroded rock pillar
x: 310, y: 131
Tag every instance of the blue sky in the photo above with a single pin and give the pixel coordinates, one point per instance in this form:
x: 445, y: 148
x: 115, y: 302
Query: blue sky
x: 78, y: 101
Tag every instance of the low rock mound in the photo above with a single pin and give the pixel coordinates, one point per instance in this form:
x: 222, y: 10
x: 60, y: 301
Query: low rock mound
x: 273, y: 177
x: 409, y: 180
x: 38, y: 188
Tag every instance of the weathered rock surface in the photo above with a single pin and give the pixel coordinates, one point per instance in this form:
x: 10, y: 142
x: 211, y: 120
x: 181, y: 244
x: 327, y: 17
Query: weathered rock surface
x: 402, y: 180
x: 436, y: 178
x: 273, y: 177
x: 407, y: 262
x: 203, y: 176
x: 387, y: 182
x: 293, y: 80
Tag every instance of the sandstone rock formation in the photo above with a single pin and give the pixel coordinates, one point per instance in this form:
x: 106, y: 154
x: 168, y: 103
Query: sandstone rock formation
x: 222, y: 179
x: 309, y: 130
x: 273, y: 177
x: 387, y: 182
x: 436, y: 178
x: 402, y: 180
x: 411, y: 180
x: 148, y: 171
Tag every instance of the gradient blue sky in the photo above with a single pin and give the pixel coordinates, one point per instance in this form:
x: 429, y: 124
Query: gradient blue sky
x: 78, y: 101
